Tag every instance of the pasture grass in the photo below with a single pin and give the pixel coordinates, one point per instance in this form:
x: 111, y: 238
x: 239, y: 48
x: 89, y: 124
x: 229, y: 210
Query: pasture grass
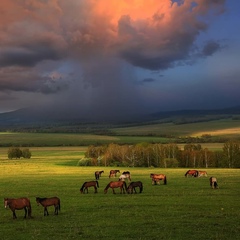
x: 185, y: 208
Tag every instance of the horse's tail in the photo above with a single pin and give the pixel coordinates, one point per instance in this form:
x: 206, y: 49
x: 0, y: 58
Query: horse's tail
x: 81, y: 189
x: 97, y: 184
x: 59, y: 205
x: 141, y: 187
x: 29, y: 209
x: 95, y: 175
x: 125, y: 185
x: 165, y: 180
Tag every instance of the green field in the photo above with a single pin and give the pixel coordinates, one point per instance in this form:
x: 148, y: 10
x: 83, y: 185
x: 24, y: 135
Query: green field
x: 222, y: 127
x: 185, y: 208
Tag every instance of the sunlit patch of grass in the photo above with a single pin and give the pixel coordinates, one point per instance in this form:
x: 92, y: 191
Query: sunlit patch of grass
x: 182, y: 208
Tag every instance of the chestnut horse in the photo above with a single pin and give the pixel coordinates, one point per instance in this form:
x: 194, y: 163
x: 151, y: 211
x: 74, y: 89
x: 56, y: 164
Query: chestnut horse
x: 213, y: 182
x: 18, y: 204
x: 98, y: 174
x: 157, y: 177
x: 132, y: 187
x: 46, y: 202
x: 86, y: 185
x: 113, y: 173
x: 193, y: 173
x: 119, y: 184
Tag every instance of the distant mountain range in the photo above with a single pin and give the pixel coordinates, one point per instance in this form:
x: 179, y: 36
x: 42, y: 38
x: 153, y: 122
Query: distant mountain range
x: 31, y: 117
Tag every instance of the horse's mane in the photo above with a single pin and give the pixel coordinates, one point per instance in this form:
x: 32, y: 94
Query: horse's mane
x: 40, y: 199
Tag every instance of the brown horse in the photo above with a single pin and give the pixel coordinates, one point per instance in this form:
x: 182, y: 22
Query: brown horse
x: 113, y: 173
x: 132, y: 187
x: 157, y: 177
x: 202, y: 173
x: 46, y: 202
x: 193, y: 173
x: 213, y: 182
x: 118, y: 184
x: 86, y: 185
x: 18, y: 204
x: 98, y: 174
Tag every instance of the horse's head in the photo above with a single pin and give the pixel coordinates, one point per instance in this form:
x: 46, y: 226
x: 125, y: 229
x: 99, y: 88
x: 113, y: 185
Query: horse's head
x: 38, y: 200
x: 6, y: 202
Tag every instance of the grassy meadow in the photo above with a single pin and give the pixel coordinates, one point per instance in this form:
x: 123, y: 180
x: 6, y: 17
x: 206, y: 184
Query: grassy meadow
x: 185, y: 208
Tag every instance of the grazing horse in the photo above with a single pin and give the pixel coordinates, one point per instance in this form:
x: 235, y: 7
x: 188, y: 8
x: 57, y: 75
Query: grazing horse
x: 202, y: 173
x: 125, y: 175
x: 46, y: 202
x: 157, y: 177
x: 86, y: 185
x: 193, y: 173
x: 119, y: 184
x: 98, y: 174
x: 113, y: 173
x: 213, y: 182
x: 18, y: 204
x: 132, y: 187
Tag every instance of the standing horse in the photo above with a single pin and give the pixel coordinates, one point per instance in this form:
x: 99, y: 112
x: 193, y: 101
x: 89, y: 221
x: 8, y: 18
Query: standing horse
x: 46, y: 202
x: 86, y: 185
x: 202, y: 173
x: 119, y: 184
x: 113, y: 173
x: 193, y: 173
x: 125, y: 175
x: 18, y: 204
x: 213, y: 182
x: 98, y: 174
x: 157, y: 177
x: 132, y: 187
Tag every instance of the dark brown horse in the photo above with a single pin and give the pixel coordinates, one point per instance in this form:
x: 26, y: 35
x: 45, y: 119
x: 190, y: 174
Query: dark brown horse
x: 18, y: 204
x: 98, y: 174
x: 213, y: 182
x: 132, y: 187
x: 86, y: 185
x: 118, y: 184
x: 157, y: 177
x: 193, y: 173
x: 113, y: 173
x: 46, y: 202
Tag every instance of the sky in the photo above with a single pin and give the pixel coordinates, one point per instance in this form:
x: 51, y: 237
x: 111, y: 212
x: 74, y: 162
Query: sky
x: 112, y: 58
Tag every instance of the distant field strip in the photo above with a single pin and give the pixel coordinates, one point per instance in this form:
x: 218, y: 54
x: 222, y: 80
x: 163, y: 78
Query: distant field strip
x: 227, y: 131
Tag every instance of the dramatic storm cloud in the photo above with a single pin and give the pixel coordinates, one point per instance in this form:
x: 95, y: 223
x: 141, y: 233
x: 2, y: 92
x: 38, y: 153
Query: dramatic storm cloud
x: 111, y: 58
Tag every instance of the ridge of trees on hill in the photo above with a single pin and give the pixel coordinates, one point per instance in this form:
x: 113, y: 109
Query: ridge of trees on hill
x: 163, y: 155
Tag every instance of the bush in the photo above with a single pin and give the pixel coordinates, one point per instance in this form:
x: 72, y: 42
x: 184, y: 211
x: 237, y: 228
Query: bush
x: 15, y: 152
x: 26, y: 153
x: 85, y: 162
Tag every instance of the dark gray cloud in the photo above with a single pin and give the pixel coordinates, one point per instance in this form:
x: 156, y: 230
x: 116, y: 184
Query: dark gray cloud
x: 210, y: 48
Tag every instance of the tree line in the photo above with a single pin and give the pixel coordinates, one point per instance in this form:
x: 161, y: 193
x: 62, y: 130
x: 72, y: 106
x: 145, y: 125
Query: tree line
x: 163, y: 155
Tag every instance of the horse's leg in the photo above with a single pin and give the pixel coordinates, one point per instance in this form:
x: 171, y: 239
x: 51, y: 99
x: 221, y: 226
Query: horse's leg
x: 113, y: 191
x: 95, y: 189
x: 56, y: 209
x: 25, y: 209
x: 14, y: 214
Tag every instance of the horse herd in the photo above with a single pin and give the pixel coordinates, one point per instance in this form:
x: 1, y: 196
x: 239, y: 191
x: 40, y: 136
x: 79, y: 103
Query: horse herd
x: 24, y: 203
